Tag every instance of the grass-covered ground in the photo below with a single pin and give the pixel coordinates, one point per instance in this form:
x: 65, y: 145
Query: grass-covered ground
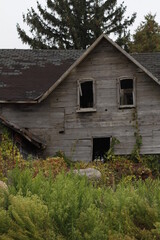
x: 47, y: 201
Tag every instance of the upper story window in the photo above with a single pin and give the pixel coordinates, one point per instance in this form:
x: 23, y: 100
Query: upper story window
x: 126, y: 92
x: 86, y: 95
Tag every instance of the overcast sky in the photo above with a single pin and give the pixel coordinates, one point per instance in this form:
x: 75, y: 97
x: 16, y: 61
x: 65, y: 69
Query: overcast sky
x: 11, y: 14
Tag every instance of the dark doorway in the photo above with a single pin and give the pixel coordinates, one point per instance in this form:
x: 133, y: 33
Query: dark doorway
x: 100, y: 147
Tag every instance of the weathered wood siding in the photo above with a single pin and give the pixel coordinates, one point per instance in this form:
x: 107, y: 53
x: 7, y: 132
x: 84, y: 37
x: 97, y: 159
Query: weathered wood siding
x: 56, y: 121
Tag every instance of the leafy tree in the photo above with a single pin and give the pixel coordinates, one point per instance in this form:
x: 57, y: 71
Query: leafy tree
x: 74, y: 24
x: 147, y: 36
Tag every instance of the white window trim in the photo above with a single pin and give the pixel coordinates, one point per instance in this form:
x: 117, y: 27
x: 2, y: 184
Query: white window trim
x: 79, y: 93
x: 134, y: 92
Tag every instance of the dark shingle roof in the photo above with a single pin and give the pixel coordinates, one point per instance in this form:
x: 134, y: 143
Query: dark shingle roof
x: 27, y: 74
x: 151, y: 61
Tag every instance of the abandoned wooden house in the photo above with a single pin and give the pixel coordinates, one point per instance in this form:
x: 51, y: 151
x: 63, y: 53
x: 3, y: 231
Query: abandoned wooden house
x: 77, y: 101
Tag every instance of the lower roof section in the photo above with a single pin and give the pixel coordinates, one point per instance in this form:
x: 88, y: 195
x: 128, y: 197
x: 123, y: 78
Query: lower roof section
x: 25, y: 133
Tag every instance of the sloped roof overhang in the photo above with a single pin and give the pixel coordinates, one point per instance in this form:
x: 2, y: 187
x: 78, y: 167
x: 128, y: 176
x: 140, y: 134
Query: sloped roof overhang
x: 26, y: 134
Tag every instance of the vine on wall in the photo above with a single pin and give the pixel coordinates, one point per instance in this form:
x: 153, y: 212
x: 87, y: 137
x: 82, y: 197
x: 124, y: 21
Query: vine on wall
x: 135, y: 155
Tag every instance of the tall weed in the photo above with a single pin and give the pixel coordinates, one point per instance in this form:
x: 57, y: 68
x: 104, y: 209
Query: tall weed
x: 28, y: 218
x: 71, y: 208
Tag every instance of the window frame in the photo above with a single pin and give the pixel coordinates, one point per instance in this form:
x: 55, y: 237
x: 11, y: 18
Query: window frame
x: 87, y: 109
x: 119, y: 89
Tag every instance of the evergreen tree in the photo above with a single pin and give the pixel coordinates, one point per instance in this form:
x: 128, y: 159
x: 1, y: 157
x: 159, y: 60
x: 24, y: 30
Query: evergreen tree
x: 147, y: 36
x: 74, y: 24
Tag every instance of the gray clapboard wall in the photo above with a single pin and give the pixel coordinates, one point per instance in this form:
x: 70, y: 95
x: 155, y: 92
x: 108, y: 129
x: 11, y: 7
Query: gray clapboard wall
x: 56, y: 121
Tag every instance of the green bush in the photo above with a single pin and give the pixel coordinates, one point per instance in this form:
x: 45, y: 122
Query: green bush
x: 23, y: 182
x: 153, y: 163
x: 74, y: 207
x: 28, y: 218
x: 9, y: 154
x: 70, y: 207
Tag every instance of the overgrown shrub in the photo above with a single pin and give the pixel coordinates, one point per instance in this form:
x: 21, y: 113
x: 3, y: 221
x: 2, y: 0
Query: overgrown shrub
x: 73, y: 208
x: 10, y: 158
x: 9, y: 155
x: 50, y: 166
x: 153, y: 163
x: 26, y: 218
x: 119, y: 168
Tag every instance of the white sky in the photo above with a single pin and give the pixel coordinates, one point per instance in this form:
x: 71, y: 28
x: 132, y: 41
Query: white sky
x: 11, y: 14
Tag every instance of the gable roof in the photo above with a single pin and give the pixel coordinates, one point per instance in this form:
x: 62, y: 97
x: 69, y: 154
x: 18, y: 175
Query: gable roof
x: 86, y: 53
x: 29, y: 76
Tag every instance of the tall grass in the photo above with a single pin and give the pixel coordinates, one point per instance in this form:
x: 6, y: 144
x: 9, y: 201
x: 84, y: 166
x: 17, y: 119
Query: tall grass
x: 70, y: 207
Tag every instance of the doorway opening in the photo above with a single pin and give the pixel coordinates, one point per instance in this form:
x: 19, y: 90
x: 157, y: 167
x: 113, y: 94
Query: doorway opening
x: 100, y: 148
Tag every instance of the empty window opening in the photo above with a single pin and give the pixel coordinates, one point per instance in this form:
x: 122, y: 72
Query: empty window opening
x: 100, y: 148
x: 126, y: 92
x: 86, y: 94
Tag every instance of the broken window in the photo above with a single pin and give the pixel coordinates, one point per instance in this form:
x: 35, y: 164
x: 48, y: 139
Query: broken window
x: 100, y: 148
x: 126, y: 92
x: 86, y: 98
